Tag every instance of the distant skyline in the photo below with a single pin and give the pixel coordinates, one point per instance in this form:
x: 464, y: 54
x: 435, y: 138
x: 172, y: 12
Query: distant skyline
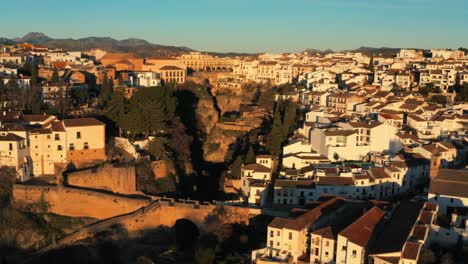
x: 248, y: 25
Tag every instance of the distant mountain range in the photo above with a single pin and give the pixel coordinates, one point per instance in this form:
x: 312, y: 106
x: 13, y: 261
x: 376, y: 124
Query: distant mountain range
x: 144, y: 48
x: 141, y: 47
x: 369, y: 51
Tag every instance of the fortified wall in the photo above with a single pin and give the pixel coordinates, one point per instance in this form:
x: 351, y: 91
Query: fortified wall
x: 163, y: 212
x: 78, y: 202
x: 120, y: 179
x: 234, y: 126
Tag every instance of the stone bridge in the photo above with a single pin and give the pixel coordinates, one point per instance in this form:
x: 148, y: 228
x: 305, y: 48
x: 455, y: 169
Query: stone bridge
x: 135, y: 214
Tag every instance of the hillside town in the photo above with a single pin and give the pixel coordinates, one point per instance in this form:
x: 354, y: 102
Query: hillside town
x: 350, y: 157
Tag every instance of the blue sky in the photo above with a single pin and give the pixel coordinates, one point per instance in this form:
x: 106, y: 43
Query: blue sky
x: 248, y: 25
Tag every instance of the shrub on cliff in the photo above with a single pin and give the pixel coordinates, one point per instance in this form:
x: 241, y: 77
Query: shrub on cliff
x: 7, y: 178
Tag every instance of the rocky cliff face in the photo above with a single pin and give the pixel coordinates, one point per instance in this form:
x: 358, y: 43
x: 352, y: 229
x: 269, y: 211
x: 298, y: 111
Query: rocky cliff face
x: 217, y: 144
x: 230, y: 103
x: 220, y: 136
x: 207, y: 115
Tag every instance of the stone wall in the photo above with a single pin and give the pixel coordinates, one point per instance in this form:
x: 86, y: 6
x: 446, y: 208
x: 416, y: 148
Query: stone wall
x: 83, y: 157
x: 120, y: 179
x: 78, y: 202
x: 234, y: 126
x: 163, y: 212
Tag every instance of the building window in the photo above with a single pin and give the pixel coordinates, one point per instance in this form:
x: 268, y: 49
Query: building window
x: 272, y: 234
x: 57, y: 137
x: 78, y: 135
x: 354, y: 254
x: 290, y: 235
x: 72, y: 146
x: 59, y: 147
x: 85, y: 145
x: 10, y: 146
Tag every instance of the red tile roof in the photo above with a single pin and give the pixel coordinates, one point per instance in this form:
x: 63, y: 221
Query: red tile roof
x: 77, y: 122
x: 361, y: 231
x: 411, y: 250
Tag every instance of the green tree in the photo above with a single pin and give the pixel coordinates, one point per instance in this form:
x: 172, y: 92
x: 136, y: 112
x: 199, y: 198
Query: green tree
x: 55, y: 77
x: 426, y: 256
x: 236, y: 166
x: 134, y: 123
x: 439, y: 99
x: 157, y: 105
x: 447, y: 258
x: 274, y: 139
x: 106, y: 90
x: 250, y: 156
x: 336, y: 156
x: 159, y: 149
x: 144, y: 260
x: 289, y: 117
x: 462, y: 92
x: 7, y: 178
x: 204, y: 255
x: 370, y: 67
x: 429, y: 88
x: 79, y: 96
x: 267, y: 99
x: 3, y: 95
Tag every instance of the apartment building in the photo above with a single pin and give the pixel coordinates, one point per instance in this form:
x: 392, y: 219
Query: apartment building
x: 344, y: 102
x: 255, y: 179
x: 287, y: 238
x: 14, y: 152
x: 353, y: 140
x: 441, y: 78
x: 172, y: 74
x: 201, y: 61
x: 144, y: 79
x: 354, y: 241
x: 49, y: 142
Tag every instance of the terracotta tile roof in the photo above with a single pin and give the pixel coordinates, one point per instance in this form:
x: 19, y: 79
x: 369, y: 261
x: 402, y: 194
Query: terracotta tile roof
x: 378, y: 173
x: 171, y: 68
x: 119, y: 56
x: 58, y: 126
x: 313, y: 215
x: 411, y: 250
x: 256, y: 167
x: 305, y: 184
x: 77, y: 122
x: 450, y: 182
x: 419, y: 232
x: 36, y: 118
x: 362, y: 124
x: 11, y: 137
x: 389, y: 259
x: 426, y: 217
x: 263, y: 156
x: 41, y: 130
x: 326, y: 232
x: 362, y: 230
x: 12, y: 127
x: 339, y: 132
x: 278, y: 222
x: 432, y: 207
x: 334, y: 180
